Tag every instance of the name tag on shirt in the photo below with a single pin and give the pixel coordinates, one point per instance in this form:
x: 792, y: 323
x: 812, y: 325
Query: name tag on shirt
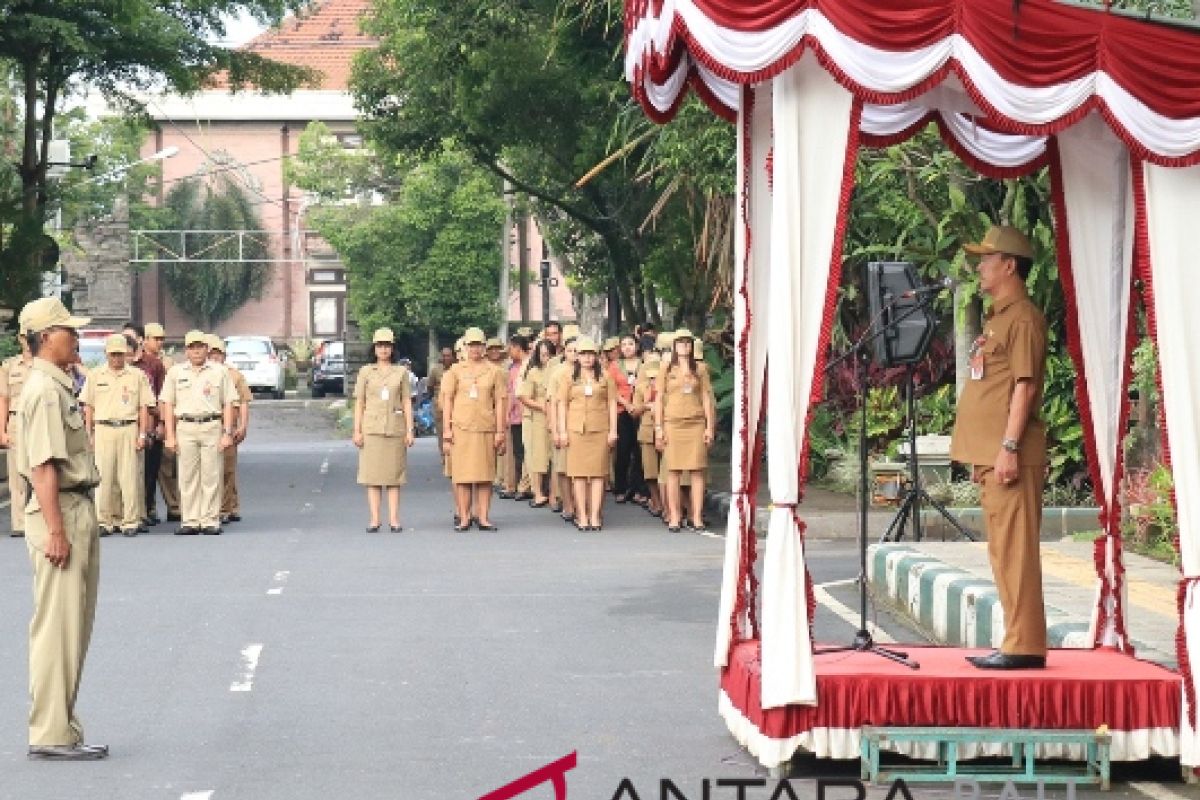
x: 587, y: 390
x: 474, y: 393
x: 384, y: 394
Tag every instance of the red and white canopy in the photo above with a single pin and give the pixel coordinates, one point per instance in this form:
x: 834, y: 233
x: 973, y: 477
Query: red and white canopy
x: 1111, y: 104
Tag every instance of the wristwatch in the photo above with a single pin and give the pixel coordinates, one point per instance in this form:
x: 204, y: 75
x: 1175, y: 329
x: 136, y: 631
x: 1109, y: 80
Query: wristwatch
x: 1011, y: 445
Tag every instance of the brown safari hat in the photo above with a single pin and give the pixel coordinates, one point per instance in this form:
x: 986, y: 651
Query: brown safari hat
x: 1001, y: 239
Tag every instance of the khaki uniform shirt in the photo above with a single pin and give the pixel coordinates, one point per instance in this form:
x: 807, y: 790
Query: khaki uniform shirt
x: 117, y: 395
x: 532, y: 386
x: 382, y: 390
x: 434, y: 384
x: 683, y: 394
x: 198, y: 391
x: 1011, y: 348
x: 587, y: 400
x: 13, y: 374
x: 52, y: 431
x: 643, y: 403
x: 474, y: 390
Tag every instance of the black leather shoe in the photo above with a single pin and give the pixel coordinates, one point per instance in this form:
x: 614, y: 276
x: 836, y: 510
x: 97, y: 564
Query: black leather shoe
x: 173, y: 517
x: 152, y: 519
x: 504, y: 494
x: 523, y: 496
x: 130, y: 532
x: 235, y: 517
x: 186, y: 530
x: 68, y: 752
x: 224, y: 519
x: 212, y: 530
x: 17, y: 534
x: 105, y: 532
x: 998, y: 660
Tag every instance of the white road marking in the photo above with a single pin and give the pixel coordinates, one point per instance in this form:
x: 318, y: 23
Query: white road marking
x: 848, y: 614
x: 280, y: 579
x: 325, y: 465
x: 205, y: 795
x: 1156, y: 791
x: 250, y: 654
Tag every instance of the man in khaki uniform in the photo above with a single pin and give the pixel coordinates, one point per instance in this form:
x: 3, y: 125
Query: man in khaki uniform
x: 117, y: 401
x: 13, y: 373
x: 998, y: 433
x: 231, y: 506
x: 433, y: 384
x: 60, y: 533
x: 197, y: 404
x: 505, y: 467
x: 168, y: 464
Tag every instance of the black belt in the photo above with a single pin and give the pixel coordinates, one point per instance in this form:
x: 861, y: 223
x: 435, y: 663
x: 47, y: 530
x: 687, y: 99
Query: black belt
x: 116, y: 423
x: 12, y: 412
x: 206, y: 418
x: 86, y: 490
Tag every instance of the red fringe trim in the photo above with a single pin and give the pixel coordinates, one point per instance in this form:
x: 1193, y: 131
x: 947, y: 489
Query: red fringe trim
x: 682, y: 44
x: 1142, y: 268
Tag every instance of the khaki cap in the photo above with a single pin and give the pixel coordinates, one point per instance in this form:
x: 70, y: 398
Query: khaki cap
x: 585, y: 344
x: 682, y: 333
x: 215, y: 342
x: 459, y: 344
x: 570, y: 332
x: 494, y: 342
x: 49, y: 312
x: 651, y: 357
x: 663, y: 341
x: 155, y: 331
x: 474, y: 336
x: 1002, y: 239
x: 652, y: 370
x: 383, y: 335
x: 116, y: 343
x: 611, y: 343
x: 195, y: 337
x: 525, y: 331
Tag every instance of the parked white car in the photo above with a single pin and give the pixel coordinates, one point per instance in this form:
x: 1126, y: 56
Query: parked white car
x: 259, y: 361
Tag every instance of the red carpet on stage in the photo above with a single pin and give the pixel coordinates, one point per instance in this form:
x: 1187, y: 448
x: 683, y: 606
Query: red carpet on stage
x: 1137, y: 700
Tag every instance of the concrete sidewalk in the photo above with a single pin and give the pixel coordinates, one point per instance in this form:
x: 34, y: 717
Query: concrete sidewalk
x: 946, y: 588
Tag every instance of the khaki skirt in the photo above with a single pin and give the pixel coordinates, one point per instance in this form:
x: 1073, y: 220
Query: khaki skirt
x: 558, y: 456
x: 685, y: 450
x: 473, y: 457
x: 536, y: 436
x: 383, y: 461
x: 649, y: 461
x: 588, y: 455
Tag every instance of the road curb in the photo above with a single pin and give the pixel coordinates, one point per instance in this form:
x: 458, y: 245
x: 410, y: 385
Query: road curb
x: 956, y: 607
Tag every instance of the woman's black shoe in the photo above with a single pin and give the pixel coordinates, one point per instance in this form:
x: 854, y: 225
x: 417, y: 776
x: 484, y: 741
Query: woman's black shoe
x: 537, y: 504
x: 372, y: 529
x: 396, y: 528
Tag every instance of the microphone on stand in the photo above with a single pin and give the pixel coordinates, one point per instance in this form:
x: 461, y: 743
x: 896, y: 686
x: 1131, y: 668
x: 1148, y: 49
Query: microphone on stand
x: 934, y: 288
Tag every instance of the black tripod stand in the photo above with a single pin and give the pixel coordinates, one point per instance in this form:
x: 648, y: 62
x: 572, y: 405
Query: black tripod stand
x: 863, y: 640
x: 912, y: 491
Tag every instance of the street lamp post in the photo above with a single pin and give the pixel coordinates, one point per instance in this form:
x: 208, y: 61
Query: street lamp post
x: 546, y: 282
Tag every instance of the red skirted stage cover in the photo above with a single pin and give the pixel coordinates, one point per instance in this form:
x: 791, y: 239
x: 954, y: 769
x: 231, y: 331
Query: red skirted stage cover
x: 1110, y: 104
x: 1080, y: 689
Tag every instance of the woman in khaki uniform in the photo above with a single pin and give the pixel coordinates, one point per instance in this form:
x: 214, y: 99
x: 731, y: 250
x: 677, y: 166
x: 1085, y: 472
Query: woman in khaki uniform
x: 533, y: 423
x: 643, y: 411
x: 383, y: 429
x: 684, y: 420
x: 558, y: 455
x: 587, y: 421
x: 475, y: 400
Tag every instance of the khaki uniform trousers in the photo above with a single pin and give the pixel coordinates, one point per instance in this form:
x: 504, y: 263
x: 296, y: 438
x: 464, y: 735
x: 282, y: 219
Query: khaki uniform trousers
x: 200, y: 465
x: 121, y: 486
x: 1013, y: 516
x: 64, y: 609
x: 168, y: 481
x: 17, y: 491
x: 230, y: 503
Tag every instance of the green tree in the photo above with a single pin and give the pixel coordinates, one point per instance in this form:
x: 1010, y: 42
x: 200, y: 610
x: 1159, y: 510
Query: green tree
x: 429, y: 259
x: 211, y: 292
x: 116, y: 47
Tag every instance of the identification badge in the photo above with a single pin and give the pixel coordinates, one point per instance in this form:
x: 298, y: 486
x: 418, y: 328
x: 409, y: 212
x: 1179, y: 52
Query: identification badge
x: 474, y: 393
x: 687, y: 388
x: 587, y: 390
x: 384, y: 394
x: 976, y: 358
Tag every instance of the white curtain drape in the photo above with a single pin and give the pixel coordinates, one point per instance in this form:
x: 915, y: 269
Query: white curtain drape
x: 813, y: 126
x: 1097, y: 190
x: 1172, y: 197
x: 750, y: 292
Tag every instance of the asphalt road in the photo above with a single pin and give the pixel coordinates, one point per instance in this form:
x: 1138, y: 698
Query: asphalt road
x: 298, y: 656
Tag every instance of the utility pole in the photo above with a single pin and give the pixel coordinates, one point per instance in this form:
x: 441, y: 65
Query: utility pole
x: 523, y: 262
x: 505, y: 247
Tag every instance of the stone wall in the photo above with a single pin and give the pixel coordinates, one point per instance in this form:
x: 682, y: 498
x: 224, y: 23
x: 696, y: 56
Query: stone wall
x: 97, y: 266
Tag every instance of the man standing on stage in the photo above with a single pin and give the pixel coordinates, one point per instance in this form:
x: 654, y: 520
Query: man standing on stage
x: 999, y: 434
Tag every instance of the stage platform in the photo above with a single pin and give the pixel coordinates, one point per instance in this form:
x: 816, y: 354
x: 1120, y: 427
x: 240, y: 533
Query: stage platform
x: 1139, y: 701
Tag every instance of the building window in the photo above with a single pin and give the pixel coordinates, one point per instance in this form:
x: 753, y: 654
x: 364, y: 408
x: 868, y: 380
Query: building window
x: 350, y: 141
x: 327, y: 276
x: 327, y: 312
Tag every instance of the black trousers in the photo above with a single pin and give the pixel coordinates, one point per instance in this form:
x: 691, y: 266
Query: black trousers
x: 518, y: 449
x: 154, y: 453
x: 627, y: 467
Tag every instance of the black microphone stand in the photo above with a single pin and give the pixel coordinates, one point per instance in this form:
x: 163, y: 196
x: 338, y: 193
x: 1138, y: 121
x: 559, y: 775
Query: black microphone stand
x: 863, y: 641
